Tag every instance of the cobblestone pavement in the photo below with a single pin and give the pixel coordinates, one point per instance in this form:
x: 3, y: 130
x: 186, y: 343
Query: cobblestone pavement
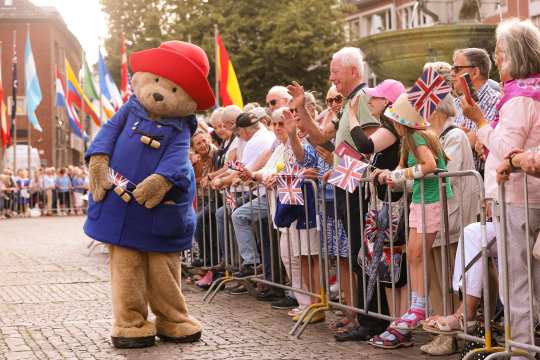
x: 55, y: 304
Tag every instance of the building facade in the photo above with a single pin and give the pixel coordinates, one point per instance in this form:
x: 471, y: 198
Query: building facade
x: 51, y: 42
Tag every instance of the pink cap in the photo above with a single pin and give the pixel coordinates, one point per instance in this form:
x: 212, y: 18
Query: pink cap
x: 388, y: 89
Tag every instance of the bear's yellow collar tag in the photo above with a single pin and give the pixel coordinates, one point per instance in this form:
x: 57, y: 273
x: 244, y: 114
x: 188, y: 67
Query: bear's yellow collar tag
x: 122, y: 193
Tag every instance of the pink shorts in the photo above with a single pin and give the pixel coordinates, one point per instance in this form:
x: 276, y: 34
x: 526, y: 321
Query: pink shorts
x: 433, y: 217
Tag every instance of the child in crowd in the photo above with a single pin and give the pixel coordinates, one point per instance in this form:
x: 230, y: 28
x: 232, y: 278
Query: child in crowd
x: 421, y: 155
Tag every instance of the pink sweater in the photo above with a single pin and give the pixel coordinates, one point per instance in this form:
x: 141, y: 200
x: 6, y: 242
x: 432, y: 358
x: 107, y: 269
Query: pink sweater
x: 518, y: 128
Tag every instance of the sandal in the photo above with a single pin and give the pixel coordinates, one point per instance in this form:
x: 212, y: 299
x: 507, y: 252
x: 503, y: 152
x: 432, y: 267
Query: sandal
x: 410, y: 324
x: 447, y: 325
x: 400, y: 340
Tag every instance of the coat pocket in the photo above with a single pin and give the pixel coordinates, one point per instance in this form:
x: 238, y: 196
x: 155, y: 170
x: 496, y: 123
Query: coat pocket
x: 172, y: 220
x: 94, y: 208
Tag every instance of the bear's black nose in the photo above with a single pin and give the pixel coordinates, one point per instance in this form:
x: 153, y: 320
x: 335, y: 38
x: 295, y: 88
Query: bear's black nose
x: 157, y: 96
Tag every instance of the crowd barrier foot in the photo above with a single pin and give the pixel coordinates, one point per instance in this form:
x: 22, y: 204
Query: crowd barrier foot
x: 505, y: 354
x: 306, y: 317
x: 492, y: 350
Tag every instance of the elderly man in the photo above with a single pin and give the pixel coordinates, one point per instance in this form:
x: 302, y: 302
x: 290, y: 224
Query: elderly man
x: 346, y: 73
x: 476, y: 62
x: 278, y: 96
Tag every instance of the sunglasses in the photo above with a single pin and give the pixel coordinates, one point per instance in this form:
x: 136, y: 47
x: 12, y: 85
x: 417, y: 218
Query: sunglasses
x: 271, y: 103
x: 292, y: 110
x: 338, y: 99
x: 457, y: 68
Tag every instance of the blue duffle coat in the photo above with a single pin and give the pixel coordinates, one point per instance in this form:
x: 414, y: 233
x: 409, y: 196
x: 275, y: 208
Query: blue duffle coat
x: 165, y: 228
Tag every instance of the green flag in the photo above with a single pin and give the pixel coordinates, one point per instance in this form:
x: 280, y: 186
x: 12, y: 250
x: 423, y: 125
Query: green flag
x: 88, y: 84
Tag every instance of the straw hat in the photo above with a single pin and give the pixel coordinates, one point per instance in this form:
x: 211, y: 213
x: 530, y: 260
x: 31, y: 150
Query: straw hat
x: 405, y: 114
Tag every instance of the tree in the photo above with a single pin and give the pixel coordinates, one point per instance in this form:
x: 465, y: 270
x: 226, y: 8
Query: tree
x: 269, y: 42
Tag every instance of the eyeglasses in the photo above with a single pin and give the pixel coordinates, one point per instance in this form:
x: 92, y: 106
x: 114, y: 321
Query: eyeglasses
x: 337, y: 99
x: 292, y: 110
x: 457, y: 68
x: 271, y: 103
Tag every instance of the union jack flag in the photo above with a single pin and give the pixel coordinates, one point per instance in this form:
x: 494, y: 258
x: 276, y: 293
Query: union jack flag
x: 230, y: 199
x: 235, y: 165
x: 348, y: 173
x: 289, y: 191
x: 427, y: 92
x: 117, y: 179
x: 292, y: 169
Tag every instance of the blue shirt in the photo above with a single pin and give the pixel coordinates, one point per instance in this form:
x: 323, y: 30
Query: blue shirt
x: 63, y: 183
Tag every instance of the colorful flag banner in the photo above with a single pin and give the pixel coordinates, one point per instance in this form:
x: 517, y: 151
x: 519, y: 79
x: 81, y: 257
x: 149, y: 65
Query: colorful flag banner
x: 4, y: 125
x: 88, y: 86
x: 348, y: 173
x: 427, y: 92
x: 125, y: 91
x: 71, y: 114
x: 289, y: 191
x: 107, y: 85
x: 229, y: 89
x: 14, y: 87
x: 235, y: 165
x: 32, y: 90
x: 76, y: 96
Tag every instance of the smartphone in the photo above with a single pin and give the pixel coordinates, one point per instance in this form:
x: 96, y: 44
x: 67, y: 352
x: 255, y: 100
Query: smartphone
x: 468, y: 90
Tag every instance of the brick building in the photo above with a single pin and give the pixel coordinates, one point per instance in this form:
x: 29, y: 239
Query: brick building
x: 51, y: 42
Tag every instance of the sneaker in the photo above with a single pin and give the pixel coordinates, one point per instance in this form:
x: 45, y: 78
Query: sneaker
x: 268, y: 295
x: 239, y: 290
x: 285, y: 303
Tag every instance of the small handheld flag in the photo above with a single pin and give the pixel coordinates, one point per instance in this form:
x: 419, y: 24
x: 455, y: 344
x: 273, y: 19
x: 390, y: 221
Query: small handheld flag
x: 427, y: 92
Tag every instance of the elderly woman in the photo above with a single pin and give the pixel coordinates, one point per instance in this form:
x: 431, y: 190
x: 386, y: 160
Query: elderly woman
x: 517, y: 55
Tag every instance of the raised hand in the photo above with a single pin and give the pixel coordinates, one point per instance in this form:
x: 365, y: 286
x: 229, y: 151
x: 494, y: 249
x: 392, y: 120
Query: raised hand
x: 297, y: 92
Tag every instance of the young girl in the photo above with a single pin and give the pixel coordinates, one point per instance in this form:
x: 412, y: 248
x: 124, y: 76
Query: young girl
x: 421, y: 155
x: 23, y: 184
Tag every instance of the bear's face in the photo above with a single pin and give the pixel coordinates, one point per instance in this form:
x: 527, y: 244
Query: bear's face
x: 162, y: 97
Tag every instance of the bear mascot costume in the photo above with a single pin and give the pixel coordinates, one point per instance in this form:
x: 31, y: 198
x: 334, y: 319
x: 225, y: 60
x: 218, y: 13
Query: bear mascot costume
x: 142, y: 187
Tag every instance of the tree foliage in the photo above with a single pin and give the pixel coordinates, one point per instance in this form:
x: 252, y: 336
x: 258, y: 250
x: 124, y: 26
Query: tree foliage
x: 269, y: 42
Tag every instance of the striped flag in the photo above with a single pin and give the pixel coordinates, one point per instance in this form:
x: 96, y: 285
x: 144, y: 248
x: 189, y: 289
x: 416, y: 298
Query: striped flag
x: 229, y: 89
x: 76, y: 96
x: 71, y: 114
x: 4, y: 125
x: 289, y: 191
x: 106, y: 84
x: 32, y: 90
x: 125, y: 91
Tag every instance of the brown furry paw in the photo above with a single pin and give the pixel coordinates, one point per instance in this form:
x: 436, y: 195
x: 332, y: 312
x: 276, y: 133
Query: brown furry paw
x: 99, y: 183
x: 151, y: 190
x: 181, y: 339
x: 133, y: 343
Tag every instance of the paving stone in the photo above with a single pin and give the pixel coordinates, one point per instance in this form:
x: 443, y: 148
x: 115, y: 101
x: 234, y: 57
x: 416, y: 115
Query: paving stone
x: 55, y: 304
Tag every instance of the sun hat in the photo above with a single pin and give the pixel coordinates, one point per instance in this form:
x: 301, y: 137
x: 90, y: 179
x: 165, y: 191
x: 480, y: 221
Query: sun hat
x: 405, y: 114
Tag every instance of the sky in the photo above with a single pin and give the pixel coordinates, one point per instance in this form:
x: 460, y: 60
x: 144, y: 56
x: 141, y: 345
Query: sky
x: 85, y: 20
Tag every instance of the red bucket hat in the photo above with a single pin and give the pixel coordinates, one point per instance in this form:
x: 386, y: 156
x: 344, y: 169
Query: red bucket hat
x: 183, y: 63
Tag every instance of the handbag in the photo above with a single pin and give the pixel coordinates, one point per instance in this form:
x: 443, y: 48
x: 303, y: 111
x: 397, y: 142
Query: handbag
x: 380, y: 254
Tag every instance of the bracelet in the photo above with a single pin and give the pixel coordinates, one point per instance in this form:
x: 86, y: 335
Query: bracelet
x: 510, y: 162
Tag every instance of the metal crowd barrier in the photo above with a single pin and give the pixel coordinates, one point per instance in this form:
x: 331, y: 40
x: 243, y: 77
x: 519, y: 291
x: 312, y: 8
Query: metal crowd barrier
x: 322, y: 299
x: 34, y: 203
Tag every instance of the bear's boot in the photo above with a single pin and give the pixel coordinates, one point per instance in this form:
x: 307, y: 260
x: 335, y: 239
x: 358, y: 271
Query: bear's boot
x: 131, y: 329
x: 173, y: 322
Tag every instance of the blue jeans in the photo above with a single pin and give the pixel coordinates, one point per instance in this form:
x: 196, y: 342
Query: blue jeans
x: 242, y: 218
x: 241, y: 198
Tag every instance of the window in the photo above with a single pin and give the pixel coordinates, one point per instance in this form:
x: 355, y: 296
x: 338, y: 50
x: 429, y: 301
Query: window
x: 411, y: 17
x: 369, y: 23
x: 8, y: 2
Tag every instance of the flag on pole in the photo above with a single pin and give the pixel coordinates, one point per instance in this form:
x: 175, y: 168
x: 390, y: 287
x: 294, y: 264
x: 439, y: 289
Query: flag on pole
x: 31, y: 89
x: 4, y: 126
x: 76, y: 96
x: 71, y: 114
x: 124, y: 82
x: 107, y: 85
x: 88, y: 86
x: 427, y: 92
x: 229, y: 90
x: 348, y: 173
x: 14, y: 87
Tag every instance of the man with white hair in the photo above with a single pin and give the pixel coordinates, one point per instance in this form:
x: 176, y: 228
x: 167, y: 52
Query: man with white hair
x: 277, y: 97
x: 346, y: 73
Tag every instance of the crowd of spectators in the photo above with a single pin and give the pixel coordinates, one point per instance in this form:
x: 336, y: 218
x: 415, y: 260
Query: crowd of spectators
x: 238, y: 154
x: 45, y: 192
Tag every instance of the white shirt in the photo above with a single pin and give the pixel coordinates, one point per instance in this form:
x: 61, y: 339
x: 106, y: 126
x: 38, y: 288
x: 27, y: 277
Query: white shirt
x: 255, y: 147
